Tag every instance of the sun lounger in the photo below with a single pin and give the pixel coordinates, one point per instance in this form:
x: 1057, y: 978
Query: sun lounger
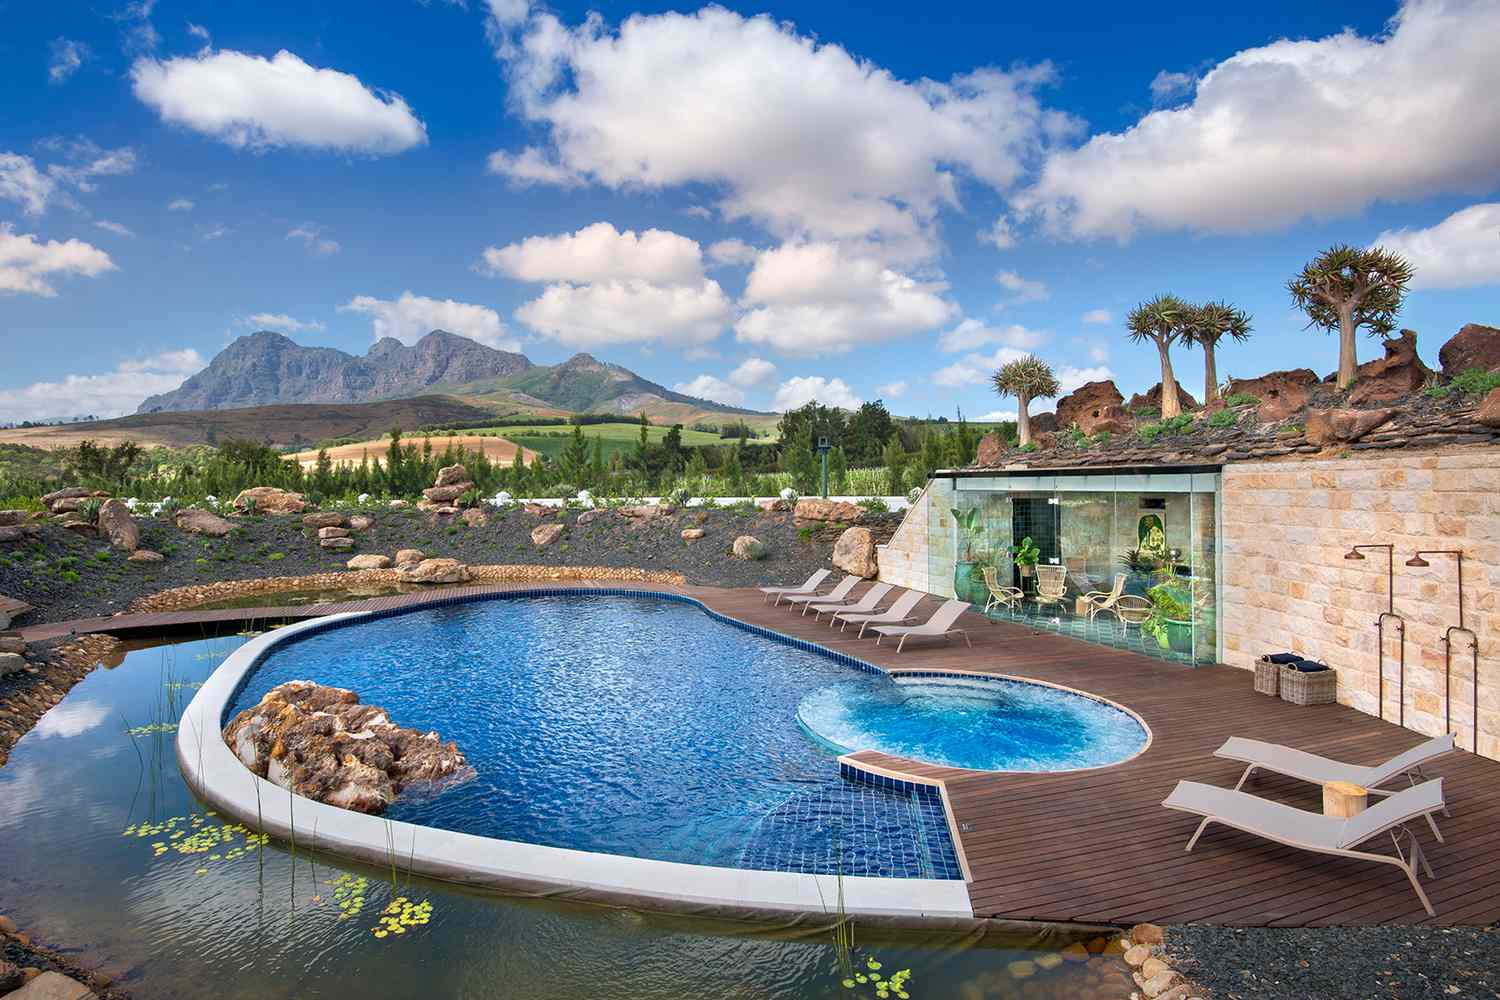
x: 1316, y: 770
x: 898, y: 613
x: 1310, y: 831
x: 939, y: 626
x: 869, y: 601
x: 809, y: 586
x: 838, y: 593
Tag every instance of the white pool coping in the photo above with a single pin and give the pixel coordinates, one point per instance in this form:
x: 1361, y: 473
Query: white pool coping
x: 218, y: 777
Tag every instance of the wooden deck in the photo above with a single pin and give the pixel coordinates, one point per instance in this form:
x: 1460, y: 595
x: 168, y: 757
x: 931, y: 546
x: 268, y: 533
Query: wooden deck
x: 1097, y: 846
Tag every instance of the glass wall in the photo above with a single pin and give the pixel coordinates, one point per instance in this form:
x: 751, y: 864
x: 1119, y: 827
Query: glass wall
x: 1126, y: 560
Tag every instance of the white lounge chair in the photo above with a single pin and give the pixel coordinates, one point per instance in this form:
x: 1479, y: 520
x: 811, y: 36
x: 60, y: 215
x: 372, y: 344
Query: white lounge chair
x: 1316, y: 832
x: 898, y: 613
x: 939, y: 626
x: 868, y: 601
x: 809, y: 586
x: 838, y: 593
x: 1309, y: 767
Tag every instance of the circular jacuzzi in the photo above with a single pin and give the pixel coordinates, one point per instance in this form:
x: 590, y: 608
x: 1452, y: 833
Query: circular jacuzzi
x: 979, y: 723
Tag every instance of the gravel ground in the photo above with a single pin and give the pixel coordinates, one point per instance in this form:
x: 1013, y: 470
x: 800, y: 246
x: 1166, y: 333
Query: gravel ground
x: 1340, y: 963
x: 70, y: 575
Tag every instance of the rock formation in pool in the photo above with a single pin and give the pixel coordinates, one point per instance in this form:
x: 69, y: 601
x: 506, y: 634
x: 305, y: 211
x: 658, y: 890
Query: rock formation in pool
x: 322, y: 744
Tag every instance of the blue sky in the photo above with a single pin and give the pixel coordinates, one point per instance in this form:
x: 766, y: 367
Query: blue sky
x: 760, y: 205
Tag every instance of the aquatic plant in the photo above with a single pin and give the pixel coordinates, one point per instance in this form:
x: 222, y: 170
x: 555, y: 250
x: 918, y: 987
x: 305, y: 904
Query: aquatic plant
x: 349, y: 893
x: 153, y: 727
x: 198, y: 834
x: 400, y: 915
x: 882, y: 987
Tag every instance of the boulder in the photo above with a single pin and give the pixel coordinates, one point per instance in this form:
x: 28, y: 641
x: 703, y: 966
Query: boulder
x: 446, y: 494
x: 1136, y: 955
x: 475, y: 518
x: 544, y: 535
x: 749, y: 547
x: 451, y: 475
x: 591, y: 515
x: 332, y: 533
x: 361, y: 522
x: 432, y: 571
x: 14, y: 518
x: 336, y: 544
x: 692, y: 534
x: 1147, y: 934
x: 369, y: 561
x: 12, y: 533
x: 270, y: 500
x: 52, y: 986
x: 10, y: 610
x: 1475, y: 346
x: 197, y: 521
x: 991, y: 451
x: 1152, y: 399
x: 1088, y: 404
x: 645, y: 511
x: 1328, y: 427
x: 1395, y: 376
x: 11, y: 977
x: 540, y: 509
x: 323, y: 519
x: 11, y: 663
x: 1281, y: 394
x: 818, y: 509
x: 409, y: 556
x: 1158, y: 984
x: 398, y: 505
x: 51, y: 500
x: 1488, y: 412
x: 1044, y: 422
x: 146, y: 556
x: 321, y: 743
x: 854, y: 553
x: 12, y: 644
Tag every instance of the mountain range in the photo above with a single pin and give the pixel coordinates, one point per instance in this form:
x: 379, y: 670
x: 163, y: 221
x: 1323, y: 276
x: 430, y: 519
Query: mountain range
x: 267, y: 368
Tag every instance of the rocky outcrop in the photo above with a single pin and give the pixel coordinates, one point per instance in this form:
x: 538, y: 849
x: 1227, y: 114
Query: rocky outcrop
x: 118, y: 526
x: 446, y: 494
x: 544, y: 535
x: 11, y: 663
x: 10, y: 610
x: 146, y: 556
x: 854, y: 553
x: 270, y: 500
x: 1094, y: 407
x: 409, y: 557
x: 321, y: 743
x: 369, y: 561
x: 748, y: 547
x: 323, y: 519
x: 432, y: 571
x: 1044, y: 422
x: 1475, y: 346
x: 197, y: 521
x: 1488, y: 411
x: 991, y: 450
x: 645, y: 511
x: 818, y: 509
x: 451, y: 475
x: 475, y: 518
x: 1327, y: 427
x: 336, y: 544
x: 692, y: 534
x: 361, y: 522
x: 1281, y: 394
x: 1152, y: 399
x: 68, y: 498
x: 1395, y: 376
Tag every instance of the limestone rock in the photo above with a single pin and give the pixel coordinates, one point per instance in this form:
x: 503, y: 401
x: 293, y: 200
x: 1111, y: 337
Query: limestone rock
x: 451, y: 475
x: 369, y: 561
x: 270, y: 500
x: 749, y: 547
x: 1281, y: 394
x: 539, y: 509
x: 1328, y: 427
x: 336, y: 544
x: 361, y: 522
x: 323, y: 519
x: 446, y: 494
x: 13, y: 518
x: 432, y: 571
x: 69, y: 495
x: 1094, y: 407
x: 592, y: 515
x: 333, y: 533
x: 1077, y: 952
x: 1147, y: 934
x: 405, y: 556
x: 645, y: 511
x: 1488, y: 412
x: 1153, y: 967
x: 118, y: 526
x: 1048, y: 960
x: 12, y: 644
x: 399, y: 505
x: 1158, y: 984
x: 818, y: 509
x: 1395, y: 376
x: 1152, y: 399
x: 854, y: 553
x: 544, y: 535
x: 12, y: 533
x: 475, y: 518
x: 1136, y: 955
x: 146, y: 556
x: 775, y: 504
x: 692, y: 534
x: 11, y: 663
x: 197, y: 521
x: 991, y: 450
x: 52, y: 986
x: 321, y: 743
x: 1475, y: 346
x: 10, y: 610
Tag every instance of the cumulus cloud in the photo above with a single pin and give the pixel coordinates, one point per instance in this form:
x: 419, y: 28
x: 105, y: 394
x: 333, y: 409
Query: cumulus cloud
x: 817, y: 298
x: 1461, y: 251
x: 599, y: 253
x: 411, y: 317
x: 34, y: 189
x: 976, y: 369
x: 22, y: 183
x: 1096, y: 317
x: 801, y: 390
x: 104, y: 395
x: 1297, y: 129
x: 631, y: 311
x: 1070, y: 377
x: 250, y: 102
x: 311, y: 237
x: 1001, y: 235
x: 28, y: 266
x: 730, y: 252
x: 859, y: 154
x: 1022, y: 289
x: 971, y: 333
x: 180, y: 205
x: 282, y: 323
x: 894, y: 390
x: 716, y: 389
x: 1168, y: 87
x: 752, y: 372
x: 67, y: 57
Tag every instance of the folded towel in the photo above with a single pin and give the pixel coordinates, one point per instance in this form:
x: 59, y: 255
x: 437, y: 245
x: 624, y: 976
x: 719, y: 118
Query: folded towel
x: 1308, y: 666
x: 1283, y: 657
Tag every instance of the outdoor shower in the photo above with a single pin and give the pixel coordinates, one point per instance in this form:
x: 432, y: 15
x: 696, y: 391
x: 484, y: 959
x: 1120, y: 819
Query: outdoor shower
x: 1400, y: 627
x: 1417, y: 561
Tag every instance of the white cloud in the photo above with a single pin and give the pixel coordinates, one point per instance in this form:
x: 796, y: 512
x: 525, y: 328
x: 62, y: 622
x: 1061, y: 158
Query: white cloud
x: 106, y: 395
x: 995, y: 417
x: 71, y: 719
x: 600, y: 252
x: 1461, y: 251
x: 34, y: 189
x: 283, y: 323
x: 411, y: 317
x: 1001, y: 235
x: 215, y: 231
x: 67, y: 56
x: 507, y: 13
x: 975, y: 369
x: 816, y: 298
x: 729, y: 252
x: 249, y: 102
x: 313, y: 239
x: 199, y: 32
x: 894, y: 390
x: 180, y: 205
x: 1070, y: 378
x: 1022, y: 289
x: 709, y: 387
x: 971, y: 333
x: 1168, y: 87
x: 23, y: 183
x: 801, y: 390
x: 628, y: 312
x: 112, y: 227
x: 1096, y: 317
x: 138, y: 33
x: 752, y: 372
x: 28, y: 266
x: 1297, y: 129
x: 858, y: 154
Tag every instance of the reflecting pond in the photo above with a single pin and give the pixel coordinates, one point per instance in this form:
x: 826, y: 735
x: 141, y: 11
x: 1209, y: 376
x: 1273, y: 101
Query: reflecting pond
x: 104, y: 852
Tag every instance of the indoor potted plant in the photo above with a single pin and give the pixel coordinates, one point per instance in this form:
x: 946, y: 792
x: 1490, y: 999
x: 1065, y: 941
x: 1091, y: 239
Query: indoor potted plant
x: 968, y: 579
x: 1172, y: 616
x: 1026, y: 557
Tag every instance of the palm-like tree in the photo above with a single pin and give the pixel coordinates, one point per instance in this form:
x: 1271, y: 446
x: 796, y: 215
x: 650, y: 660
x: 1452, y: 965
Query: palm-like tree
x: 1163, y: 321
x: 1026, y: 379
x: 1206, y: 326
x: 1345, y: 288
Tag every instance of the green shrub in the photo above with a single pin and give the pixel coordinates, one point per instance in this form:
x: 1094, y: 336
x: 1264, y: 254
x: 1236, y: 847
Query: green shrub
x: 1224, y: 418
x: 1180, y: 424
x: 276, y: 556
x: 1475, y: 382
x: 1075, y: 436
x: 875, y: 505
x: 1028, y: 447
x: 1240, y: 399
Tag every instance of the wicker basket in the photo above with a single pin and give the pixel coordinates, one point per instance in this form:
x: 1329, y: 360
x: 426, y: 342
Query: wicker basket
x: 1321, y: 687
x: 1266, y: 676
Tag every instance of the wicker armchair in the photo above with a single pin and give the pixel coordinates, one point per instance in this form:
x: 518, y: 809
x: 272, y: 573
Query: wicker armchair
x: 1051, y: 585
x: 1000, y: 597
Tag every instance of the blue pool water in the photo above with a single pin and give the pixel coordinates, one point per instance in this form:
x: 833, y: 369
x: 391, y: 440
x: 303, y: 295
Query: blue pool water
x: 625, y: 725
x: 988, y: 725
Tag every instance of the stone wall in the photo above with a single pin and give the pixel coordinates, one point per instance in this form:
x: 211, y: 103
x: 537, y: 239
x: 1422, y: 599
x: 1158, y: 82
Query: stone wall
x: 1287, y: 526
x: 905, y: 560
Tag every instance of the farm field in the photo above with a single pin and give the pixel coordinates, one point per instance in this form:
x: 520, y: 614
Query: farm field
x: 494, y: 447
x: 550, y: 439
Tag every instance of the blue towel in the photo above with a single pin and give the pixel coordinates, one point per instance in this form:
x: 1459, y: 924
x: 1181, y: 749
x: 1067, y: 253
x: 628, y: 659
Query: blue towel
x: 1283, y: 657
x: 1309, y: 666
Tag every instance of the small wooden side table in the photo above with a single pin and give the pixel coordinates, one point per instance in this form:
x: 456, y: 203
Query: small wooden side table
x: 1344, y: 799
x: 1081, y: 607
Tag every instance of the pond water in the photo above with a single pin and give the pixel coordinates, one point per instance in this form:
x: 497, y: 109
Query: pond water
x: 210, y: 914
x: 300, y: 598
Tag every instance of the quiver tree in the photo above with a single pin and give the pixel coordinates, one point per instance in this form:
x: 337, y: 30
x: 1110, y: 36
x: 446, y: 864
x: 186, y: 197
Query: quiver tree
x: 1206, y: 326
x: 1026, y: 379
x: 1163, y: 320
x: 1345, y: 288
